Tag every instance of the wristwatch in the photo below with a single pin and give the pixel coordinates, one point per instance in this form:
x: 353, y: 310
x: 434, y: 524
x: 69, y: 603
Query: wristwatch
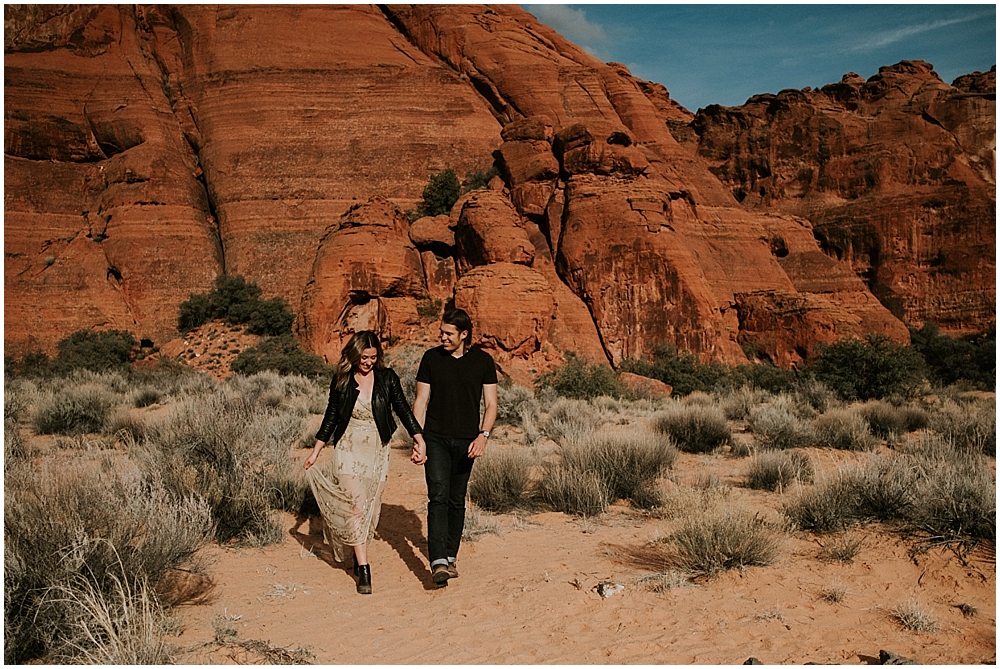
x: 485, y: 433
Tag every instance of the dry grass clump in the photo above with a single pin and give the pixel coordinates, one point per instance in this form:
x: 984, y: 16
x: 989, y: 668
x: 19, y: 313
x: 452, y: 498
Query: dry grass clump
x: 834, y: 593
x: 145, y: 396
x: 844, y: 429
x: 776, y: 470
x: 778, y: 428
x: 86, y: 519
x: 887, y: 421
x: 710, y: 543
x: 122, y: 423
x: 600, y: 468
x: 229, y: 448
x: 736, y: 403
x: 843, y: 548
x: 121, y: 624
x: 499, y: 481
x: 570, y: 420
x: 947, y: 494
x: 74, y: 410
x: 970, y: 426
x: 914, y: 617
x: 478, y: 524
x: 694, y: 427
x: 816, y: 394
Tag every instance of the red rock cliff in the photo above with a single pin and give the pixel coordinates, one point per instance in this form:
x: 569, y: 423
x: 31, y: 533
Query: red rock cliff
x: 897, y: 175
x: 150, y: 148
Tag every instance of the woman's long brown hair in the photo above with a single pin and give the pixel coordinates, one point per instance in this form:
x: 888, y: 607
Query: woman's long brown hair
x: 351, y: 355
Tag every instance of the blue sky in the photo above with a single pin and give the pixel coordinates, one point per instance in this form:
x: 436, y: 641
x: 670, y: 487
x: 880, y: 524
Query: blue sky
x: 723, y: 54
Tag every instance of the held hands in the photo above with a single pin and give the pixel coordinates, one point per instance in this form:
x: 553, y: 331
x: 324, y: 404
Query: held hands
x: 477, y: 447
x: 419, y: 455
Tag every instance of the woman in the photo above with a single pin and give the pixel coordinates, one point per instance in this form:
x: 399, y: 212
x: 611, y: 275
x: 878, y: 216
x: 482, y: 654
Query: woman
x: 358, y: 421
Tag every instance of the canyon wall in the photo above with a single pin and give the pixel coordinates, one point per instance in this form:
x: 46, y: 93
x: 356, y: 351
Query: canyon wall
x: 150, y: 148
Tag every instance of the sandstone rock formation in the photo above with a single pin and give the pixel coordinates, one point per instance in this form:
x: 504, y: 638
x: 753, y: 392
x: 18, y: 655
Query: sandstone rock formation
x: 285, y: 143
x: 897, y: 175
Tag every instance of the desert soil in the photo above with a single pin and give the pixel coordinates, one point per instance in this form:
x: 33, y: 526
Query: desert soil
x: 528, y: 594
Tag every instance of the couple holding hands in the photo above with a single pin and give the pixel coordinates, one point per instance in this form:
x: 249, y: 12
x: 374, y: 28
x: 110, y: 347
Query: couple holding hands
x: 446, y: 430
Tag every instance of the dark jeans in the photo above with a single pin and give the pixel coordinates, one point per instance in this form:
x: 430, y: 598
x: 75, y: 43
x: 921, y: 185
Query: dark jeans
x: 447, y: 470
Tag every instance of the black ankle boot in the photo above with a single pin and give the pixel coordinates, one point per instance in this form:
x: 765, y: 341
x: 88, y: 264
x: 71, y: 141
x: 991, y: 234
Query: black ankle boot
x: 364, y: 579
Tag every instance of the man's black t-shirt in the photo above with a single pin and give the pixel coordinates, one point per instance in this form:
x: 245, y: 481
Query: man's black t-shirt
x: 456, y: 388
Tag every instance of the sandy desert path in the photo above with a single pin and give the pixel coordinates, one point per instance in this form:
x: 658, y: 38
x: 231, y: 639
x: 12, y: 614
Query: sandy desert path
x: 527, y: 594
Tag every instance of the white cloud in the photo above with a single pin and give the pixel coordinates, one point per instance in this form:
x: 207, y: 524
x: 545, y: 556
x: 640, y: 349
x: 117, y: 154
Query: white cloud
x: 571, y: 24
x: 891, y: 37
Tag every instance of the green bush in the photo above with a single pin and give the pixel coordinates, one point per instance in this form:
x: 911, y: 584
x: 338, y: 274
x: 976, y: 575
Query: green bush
x: 236, y: 301
x: 763, y: 376
x: 577, y: 380
x: 282, y: 354
x: 479, y: 179
x: 682, y: 371
x: 950, y: 360
x: 874, y: 368
x: 694, y: 428
x: 886, y: 420
x: 441, y: 193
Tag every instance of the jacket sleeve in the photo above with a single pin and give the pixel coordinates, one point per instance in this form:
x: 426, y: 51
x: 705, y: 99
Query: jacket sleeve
x: 401, y: 406
x: 329, y: 424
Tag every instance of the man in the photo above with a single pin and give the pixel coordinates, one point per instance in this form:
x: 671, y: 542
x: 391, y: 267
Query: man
x: 451, y: 380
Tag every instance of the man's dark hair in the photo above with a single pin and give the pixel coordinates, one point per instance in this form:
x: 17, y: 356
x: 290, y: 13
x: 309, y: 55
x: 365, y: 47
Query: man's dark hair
x: 460, y: 319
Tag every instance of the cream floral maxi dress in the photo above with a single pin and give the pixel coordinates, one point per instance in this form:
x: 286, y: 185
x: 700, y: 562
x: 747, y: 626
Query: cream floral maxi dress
x: 348, y: 487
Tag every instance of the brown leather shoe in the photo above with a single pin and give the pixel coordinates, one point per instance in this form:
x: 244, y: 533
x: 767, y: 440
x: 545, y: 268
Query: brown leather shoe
x: 453, y: 569
x: 440, y: 574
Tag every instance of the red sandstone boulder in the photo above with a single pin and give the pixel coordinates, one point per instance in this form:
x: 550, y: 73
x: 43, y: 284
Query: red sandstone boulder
x: 511, y: 306
x: 645, y: 387
x: 432, y: 231
x: 367, y: 275
x: 489, y: 232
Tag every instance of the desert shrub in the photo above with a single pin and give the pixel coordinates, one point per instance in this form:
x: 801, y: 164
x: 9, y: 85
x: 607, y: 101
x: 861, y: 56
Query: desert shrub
x: 970, y: 426
x: 718, y: 541
x: 479, y: 179
x: 843, y: 548
x: 570, y: 419
x: 886, y: 420
x: 736, y: 402
x: 440, y: 194
x: 94, y: 350
x: 574, y: 491
x: 92, y: 520
x: 682, y: 370
x: 499, y: 480
x: 236, y: 301
x: 951, y: 360
x: 15, y: 448
x: 405, y: 361
x: 512, y: 401
x: 874, y: 368
x: 122, y: 423
x: 775, y: 427
x: 145, y: 396
x: 626, y: 463
x: 282, y: 354
x: 231, y: 449
x: 577, y: 380
x: 955, y: 492
x: 815, y: 393
x: 74, y: 410
x: 776, y: 470
x: 762, y: 376
x: 694, y: 428
x: 845, y: 429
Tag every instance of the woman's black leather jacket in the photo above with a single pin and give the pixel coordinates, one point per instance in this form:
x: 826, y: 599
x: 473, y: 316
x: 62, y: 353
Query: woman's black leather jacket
x: 387, y: 395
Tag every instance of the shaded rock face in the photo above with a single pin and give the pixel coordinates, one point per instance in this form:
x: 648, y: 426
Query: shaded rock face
x: 176, y: 152
x: 897, y: 175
